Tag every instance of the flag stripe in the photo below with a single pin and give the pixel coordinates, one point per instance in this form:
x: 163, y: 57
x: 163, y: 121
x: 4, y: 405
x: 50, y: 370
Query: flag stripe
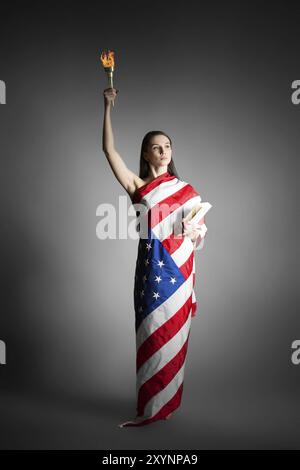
x: 164, y: 333
x: 163, y: 355
x: 158, y: 390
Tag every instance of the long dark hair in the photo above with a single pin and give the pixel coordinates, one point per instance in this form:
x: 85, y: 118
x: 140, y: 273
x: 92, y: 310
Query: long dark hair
x: 144, y: 166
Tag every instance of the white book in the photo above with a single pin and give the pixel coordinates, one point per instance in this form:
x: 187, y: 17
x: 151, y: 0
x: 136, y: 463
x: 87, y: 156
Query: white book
x: 198, y: 212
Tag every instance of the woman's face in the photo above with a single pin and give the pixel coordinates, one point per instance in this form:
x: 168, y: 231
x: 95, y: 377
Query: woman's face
x: 159, y: 151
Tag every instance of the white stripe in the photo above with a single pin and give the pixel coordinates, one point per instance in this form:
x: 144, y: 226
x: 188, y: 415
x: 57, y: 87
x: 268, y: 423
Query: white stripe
x: 183, y: 252
x: 163, y: 355
x: 164, y: 312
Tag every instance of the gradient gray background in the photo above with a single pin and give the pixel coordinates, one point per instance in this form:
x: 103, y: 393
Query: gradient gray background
x: 217, y: 79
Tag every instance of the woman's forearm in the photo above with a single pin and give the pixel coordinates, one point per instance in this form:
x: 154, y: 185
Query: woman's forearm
x: 108, y: 137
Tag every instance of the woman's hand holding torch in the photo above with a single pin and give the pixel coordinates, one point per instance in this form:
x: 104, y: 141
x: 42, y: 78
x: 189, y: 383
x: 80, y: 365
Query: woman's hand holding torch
x: 109, y: 95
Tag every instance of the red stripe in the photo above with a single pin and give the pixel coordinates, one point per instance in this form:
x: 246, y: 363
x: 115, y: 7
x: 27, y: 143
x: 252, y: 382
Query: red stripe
x: 161, y: 379
x: 171, y: 203
x: 172, y: 243
x: 163, y: 334
x: 187, y: 267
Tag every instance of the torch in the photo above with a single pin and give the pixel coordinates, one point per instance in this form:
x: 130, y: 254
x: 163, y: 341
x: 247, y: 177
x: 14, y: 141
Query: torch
x: 108, y: 62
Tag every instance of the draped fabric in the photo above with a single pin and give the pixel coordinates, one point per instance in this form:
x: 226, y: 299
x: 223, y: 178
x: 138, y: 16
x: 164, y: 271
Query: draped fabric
x: 164, y: 296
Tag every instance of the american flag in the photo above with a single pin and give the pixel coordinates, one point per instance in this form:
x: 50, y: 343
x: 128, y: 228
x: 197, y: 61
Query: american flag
x: 164, y: 297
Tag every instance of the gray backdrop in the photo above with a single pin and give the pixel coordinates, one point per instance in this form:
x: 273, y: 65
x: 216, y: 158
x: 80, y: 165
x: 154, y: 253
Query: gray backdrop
x: 217, y: 79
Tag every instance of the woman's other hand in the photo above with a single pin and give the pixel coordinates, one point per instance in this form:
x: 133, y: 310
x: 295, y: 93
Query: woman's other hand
x: 194, y: 230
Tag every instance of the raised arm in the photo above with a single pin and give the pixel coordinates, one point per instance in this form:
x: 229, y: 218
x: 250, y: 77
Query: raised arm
x: 126, y: 177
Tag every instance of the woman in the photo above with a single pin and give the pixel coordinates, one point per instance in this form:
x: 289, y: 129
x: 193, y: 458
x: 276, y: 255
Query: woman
x: 164, y: 297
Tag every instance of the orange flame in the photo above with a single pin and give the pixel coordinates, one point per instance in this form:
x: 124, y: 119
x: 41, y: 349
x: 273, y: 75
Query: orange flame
x: 108, y: 60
